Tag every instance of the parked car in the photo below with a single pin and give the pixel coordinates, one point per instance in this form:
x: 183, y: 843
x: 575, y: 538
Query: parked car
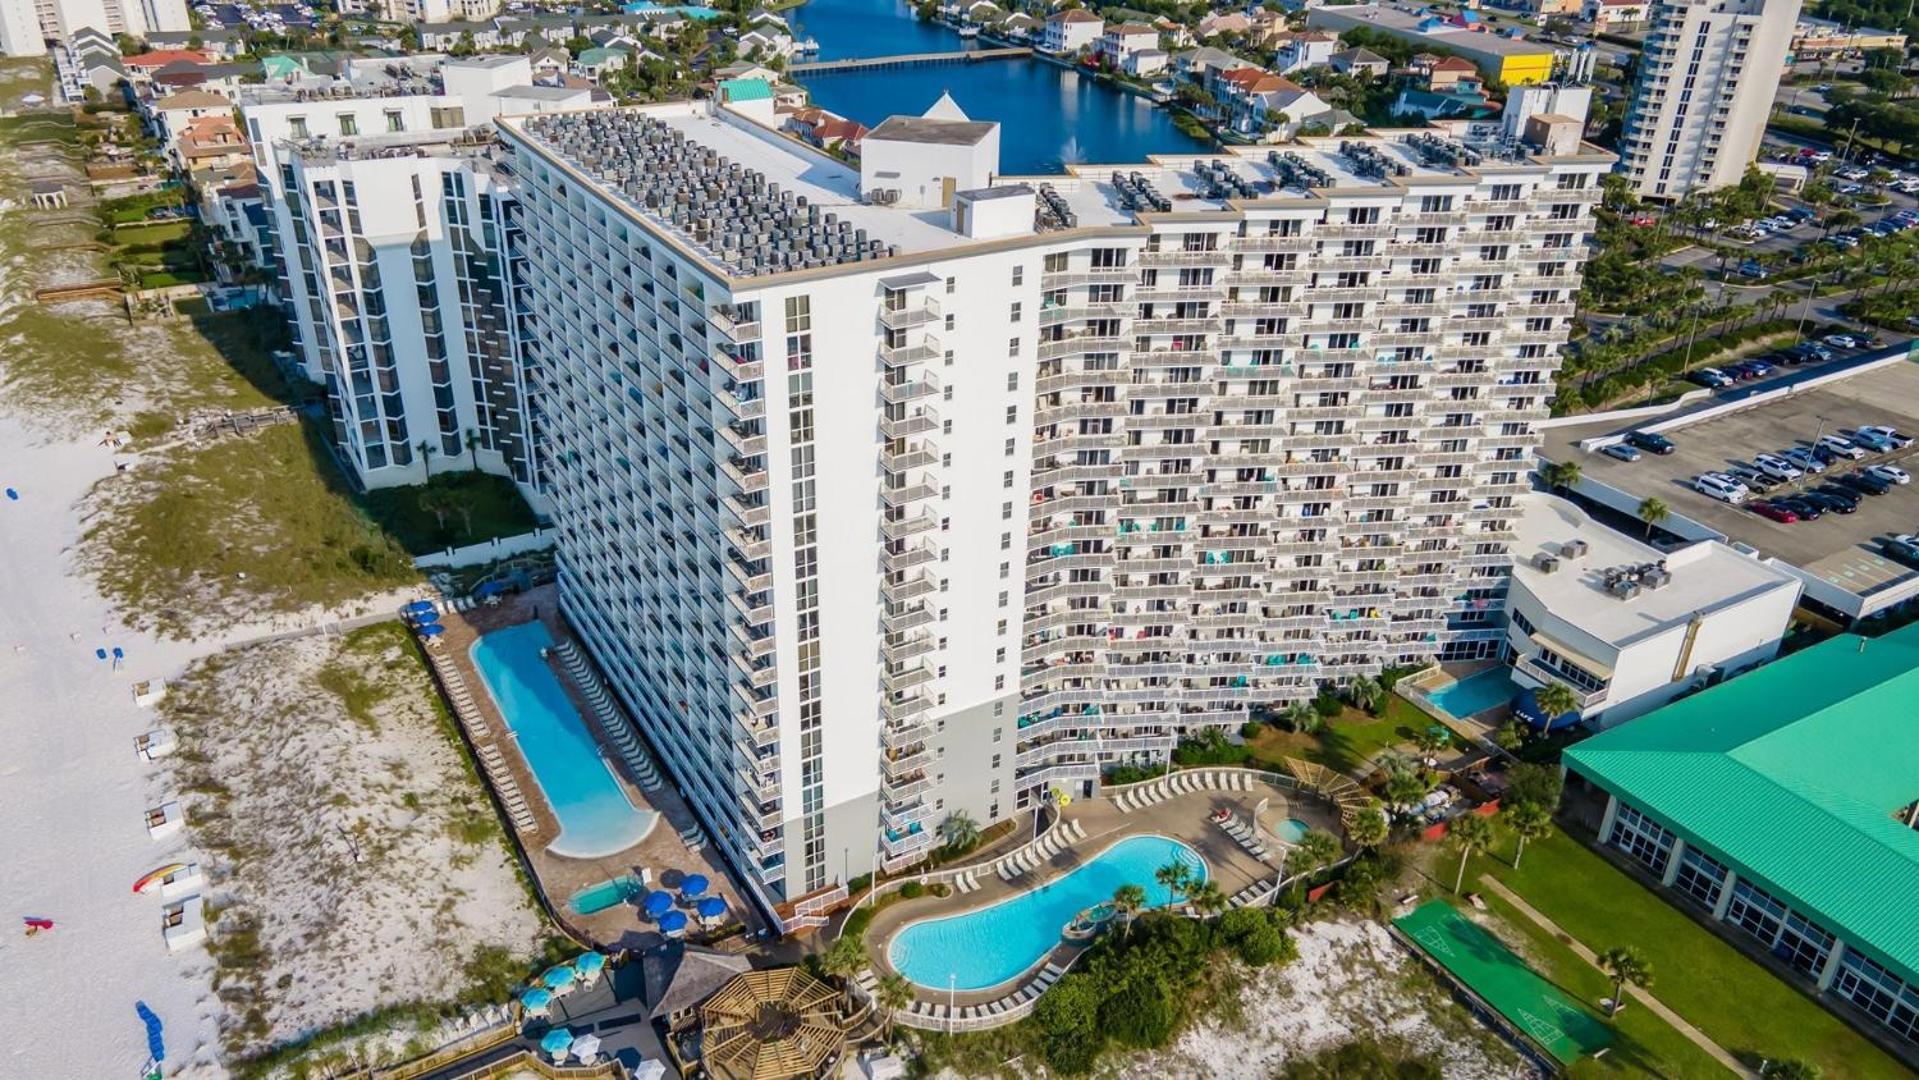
x: 1712, y: 378
x: 1834, y: 491
x: 1805, y: 459
x: 1720, y: 486
x: 1841, y: 447
x: 1752, y: 478
x: 1891, y: 474
x: 1865, y: 484
x: 1872, y: 440
x: 1777, y: 467
x: 1620, y: 451
x: 1805, y: 508
x: 1772, y: 512
x: 1652, y: 443
x: 1891, y: 436
x: 1828, y: 503
x: 1840, y: 341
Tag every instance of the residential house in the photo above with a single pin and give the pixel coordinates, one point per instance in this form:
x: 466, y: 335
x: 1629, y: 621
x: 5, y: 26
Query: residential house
x: 1145, y: 63
x: 1361, y: 62
x: 1201, y: 65
x: 210, y: 142
x: 215, y: 43
x: 549, y: 63
x: 168, y: 116
x: 1305, y: 49
x: 746, y: 69
x: 1019, y: 26
x: 768, y: 40
x: 88, y: 60
x: 143, y: 65
x: 1068, y: 32
x: 981, y: 13
x: 1214, y: 23
x: 1611, y: 16
x: 834, y: 134
x: 223, y: 79
x: 765, y: 17
x: 1121, y: 40
x: 441, y: 37
x: 594, y: 63
x: 1266, y: 28
x: 230, y: 205
x: 1451, y: 71
x: 1257, y: 103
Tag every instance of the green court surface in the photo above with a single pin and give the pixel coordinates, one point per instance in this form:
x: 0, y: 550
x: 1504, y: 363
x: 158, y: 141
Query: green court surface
x: 1534, y: 1006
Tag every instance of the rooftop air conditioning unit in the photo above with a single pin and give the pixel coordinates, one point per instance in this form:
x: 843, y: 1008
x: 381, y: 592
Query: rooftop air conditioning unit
x: 1545, y: 563
x: 1656, y: 579
x: 1625, y: 589
x: 1574, y: 549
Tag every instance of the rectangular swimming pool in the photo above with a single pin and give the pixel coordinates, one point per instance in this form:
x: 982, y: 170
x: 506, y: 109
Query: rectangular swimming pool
x: 596, y: 817
x: 1476, y: 693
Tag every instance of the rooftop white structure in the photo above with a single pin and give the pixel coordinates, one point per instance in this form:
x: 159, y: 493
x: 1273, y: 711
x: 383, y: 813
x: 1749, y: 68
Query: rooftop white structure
x: 873, y: 513
x: 1629, y: 627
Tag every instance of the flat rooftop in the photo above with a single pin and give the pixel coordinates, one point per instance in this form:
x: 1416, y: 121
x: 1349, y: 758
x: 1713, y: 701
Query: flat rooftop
x: 1835, y: 549
x: 936, y: 132
x: 1705, y: 575
x: 609, y: 146
x: 1402, y: 22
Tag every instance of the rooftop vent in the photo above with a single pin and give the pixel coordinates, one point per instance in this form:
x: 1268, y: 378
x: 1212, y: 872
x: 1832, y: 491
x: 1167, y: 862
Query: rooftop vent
x: 1544, y: 563
x: 1574, y: 549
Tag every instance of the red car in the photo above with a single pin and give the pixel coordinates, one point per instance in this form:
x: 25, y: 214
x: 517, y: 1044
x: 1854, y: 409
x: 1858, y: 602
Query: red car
x: 1773, y: 513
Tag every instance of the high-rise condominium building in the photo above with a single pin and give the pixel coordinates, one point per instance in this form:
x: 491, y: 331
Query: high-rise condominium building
x: 1706, y: 80
x: 26, y: 25
x: 884, y: 497
x: 390, y: 225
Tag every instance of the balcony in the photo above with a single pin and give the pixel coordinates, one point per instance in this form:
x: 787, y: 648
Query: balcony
x: 906, y: 788
x: 755, y: 614
x: 906, y: 456
x: 753, y: 581
x: 751, y: 510
x: 909, y: 312
x: 899, y: 736
x: 903, y: 526
x: 910, y: 618
x: 761, y: 730
x: 917, y: 585
x: 908, y: 494
x: 902, y: 816
x: 896, y: 562
x: 749, y: 547
x: 728, y: 321
x: 745, y: 476
x: 743, y: 408
x: 899, y: 393
x: 906, y: 762
x: 907, y: 710
x: 899, y: 648
x: 917, y: 422
x: 919, y: 353
x: 1586, y: 699
x: 742, y: 444
x: 900, y: 843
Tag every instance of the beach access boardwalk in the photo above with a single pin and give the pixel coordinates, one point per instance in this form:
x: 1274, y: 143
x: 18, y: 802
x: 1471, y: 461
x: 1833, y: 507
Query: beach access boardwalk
x: 970, y: 56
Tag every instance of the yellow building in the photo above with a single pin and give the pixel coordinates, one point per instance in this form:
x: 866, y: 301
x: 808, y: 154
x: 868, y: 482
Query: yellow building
x: 1508, y: 60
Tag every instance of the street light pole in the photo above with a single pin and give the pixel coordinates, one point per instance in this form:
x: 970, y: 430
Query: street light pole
x: 952, y: 996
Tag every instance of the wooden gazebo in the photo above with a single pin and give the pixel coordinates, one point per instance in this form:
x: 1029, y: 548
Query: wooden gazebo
x: 1333, y: 786
x: 776, y: 1024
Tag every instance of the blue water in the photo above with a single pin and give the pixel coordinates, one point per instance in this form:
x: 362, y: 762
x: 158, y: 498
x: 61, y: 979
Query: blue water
x: 596, y: 818
x: 1292, y: 830
x: 699, y: 13
x: 984, y: 948
x: 606, y: 894
x: 1048, y: 116
x: 1477, y: 693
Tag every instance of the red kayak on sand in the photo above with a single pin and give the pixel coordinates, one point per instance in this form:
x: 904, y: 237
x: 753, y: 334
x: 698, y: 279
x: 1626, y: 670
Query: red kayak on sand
x: 36, y: 923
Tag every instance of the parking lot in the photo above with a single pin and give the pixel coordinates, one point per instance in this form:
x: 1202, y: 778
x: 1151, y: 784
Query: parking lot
x: 1837, y: 548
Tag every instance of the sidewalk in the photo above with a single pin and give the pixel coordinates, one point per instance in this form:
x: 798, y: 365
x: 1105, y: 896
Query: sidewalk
x: 1659, y: 1009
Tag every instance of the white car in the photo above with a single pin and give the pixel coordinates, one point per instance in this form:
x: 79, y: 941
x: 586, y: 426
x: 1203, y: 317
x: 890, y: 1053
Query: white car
x: 1887, y: 435
x: 1805, y: 459
x: 1776, y: 467
x: 1891, y: 474
x: 1721, y: 487
x: 1841, y: 447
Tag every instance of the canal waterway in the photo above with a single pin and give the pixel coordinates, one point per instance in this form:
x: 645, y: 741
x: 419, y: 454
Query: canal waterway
x: 1049, y: 116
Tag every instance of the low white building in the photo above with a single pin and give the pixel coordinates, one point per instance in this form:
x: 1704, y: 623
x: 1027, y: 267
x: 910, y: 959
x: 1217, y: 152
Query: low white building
x: 1628, y: 627
x: 921, y: 162
x: 1066, y: 33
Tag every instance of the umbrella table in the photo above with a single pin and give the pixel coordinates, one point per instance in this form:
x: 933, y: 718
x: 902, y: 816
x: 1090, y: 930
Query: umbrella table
x: 673, y: 922
x: 692, y: 885
x: 586, y: 1047
x: 557, y: 1042
x: 711, y: 907
x: 559, y: 977
x: 536, y: 999
x: 657, y: 903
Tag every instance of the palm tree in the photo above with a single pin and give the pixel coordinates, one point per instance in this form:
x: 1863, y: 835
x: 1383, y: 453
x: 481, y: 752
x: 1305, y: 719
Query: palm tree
x: 1559, y: 475
x: 426, y: 457
x: 1128, y: 901
x: 844, y: 960
x: 1405, y: 786
x: 1369, y: 828
x: 1175, y: 878
x: 1206, y: 899
x: 1303, y: 718
x: 1528, y: 821
x: 1468, y: 833
x: 894, y: 994
x: 1624, y: 965
x: 1315, y: 851
x: 439, y: 502
x: 959, y: 830
x: 1652, y: 511
x: 1365, y: 692
x: 1555, y: 700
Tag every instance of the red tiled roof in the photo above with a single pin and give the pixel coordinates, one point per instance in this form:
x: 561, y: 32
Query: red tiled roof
x: 1074, y: 16
x: 160, y: 58
x: 1454, y: 63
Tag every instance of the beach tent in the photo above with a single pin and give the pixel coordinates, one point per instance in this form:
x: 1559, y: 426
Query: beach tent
x: 586, y: 1047
x: 556, y: 1043
x: 692, y: 885
x: 657, y: 903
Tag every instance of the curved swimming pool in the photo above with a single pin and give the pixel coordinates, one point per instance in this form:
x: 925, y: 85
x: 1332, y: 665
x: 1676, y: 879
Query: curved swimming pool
x: 977, y: 950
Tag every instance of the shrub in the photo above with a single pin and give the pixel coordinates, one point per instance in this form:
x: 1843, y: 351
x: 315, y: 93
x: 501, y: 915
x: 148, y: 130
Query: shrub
x: 1131, y: 774
x: 1328, y: 705
x: 1068, y: 1018
x: 1257, y: 936
x: 1251, y: 729
x: 1140, y: 1013
x: 912, y: 890
x: 940, y: 889
x: 1210, y: 747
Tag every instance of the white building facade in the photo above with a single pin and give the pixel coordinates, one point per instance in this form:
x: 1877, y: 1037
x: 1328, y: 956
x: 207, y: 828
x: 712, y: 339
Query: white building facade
x: 871, y: 520
x: 1705, y: 86
x: 27, y: 25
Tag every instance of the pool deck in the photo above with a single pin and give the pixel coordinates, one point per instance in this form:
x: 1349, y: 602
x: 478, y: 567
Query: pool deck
x: 1185, y: 818
x: 662, y: 852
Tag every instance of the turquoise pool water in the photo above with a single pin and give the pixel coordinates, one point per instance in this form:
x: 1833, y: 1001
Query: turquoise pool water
x: 1477, y: 693
x: 979, y: 949
x: 1292, y: 830
x: 596, y: 819
x: 607, y: 894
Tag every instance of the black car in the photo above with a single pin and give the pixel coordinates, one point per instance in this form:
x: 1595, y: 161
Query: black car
x: 1865, y: 485
x: 1828, y: 502
x: 1651, y: 443
x: 1805, y: 508
x: 1834, y: 491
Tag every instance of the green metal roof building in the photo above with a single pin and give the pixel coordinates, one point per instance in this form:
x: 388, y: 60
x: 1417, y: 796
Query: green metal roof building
x: 1782, y: 802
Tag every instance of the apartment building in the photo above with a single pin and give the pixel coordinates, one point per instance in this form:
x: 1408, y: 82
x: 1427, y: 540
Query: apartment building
x: 1705, y: 86
x: 389, y: 223
x: 873, y: 514
x: 27, y: 25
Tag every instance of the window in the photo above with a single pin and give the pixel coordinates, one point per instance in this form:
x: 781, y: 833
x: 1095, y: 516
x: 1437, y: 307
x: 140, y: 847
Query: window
x: 1641, y: 837
x: 395, y: 120
x: 1012, y: 447
x: 1012, y: 414
x: 1700, y: 878
x: 349, y: 124
x: 1803, y: 944
x: 297, y: 127
x: 951, y: 284
x: 1755, y: 911
x: 1012, y: 381
x: 1014, y: 314
x: 1878, y: 993
x: 1012, y: 346
x: 1019, y: 275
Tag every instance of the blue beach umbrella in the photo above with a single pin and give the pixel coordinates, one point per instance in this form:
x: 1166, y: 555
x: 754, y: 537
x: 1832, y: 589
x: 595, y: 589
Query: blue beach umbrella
x: 419, y: 608
x: 12, y: 494
x: 657, y: 903
x: 692, y: 885
x: 556, y: 1042
x: 488, y: 588
x: 560, y: 975
x: 711, y: 907
x: 536, y: 999
x: 673, y: 922
x: 588, y: 964
x: 431, y: 629
x: 99, y: 654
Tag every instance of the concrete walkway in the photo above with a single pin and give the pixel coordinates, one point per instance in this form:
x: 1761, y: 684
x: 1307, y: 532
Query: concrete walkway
x: 1659, y: 1008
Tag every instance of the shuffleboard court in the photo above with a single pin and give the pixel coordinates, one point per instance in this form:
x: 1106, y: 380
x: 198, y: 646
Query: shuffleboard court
x: 1541, y: 1011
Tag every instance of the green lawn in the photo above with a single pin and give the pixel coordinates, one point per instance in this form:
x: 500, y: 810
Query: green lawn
x: 1737, y: 1003
x: 1346, y: 743
x: 473, y: 507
